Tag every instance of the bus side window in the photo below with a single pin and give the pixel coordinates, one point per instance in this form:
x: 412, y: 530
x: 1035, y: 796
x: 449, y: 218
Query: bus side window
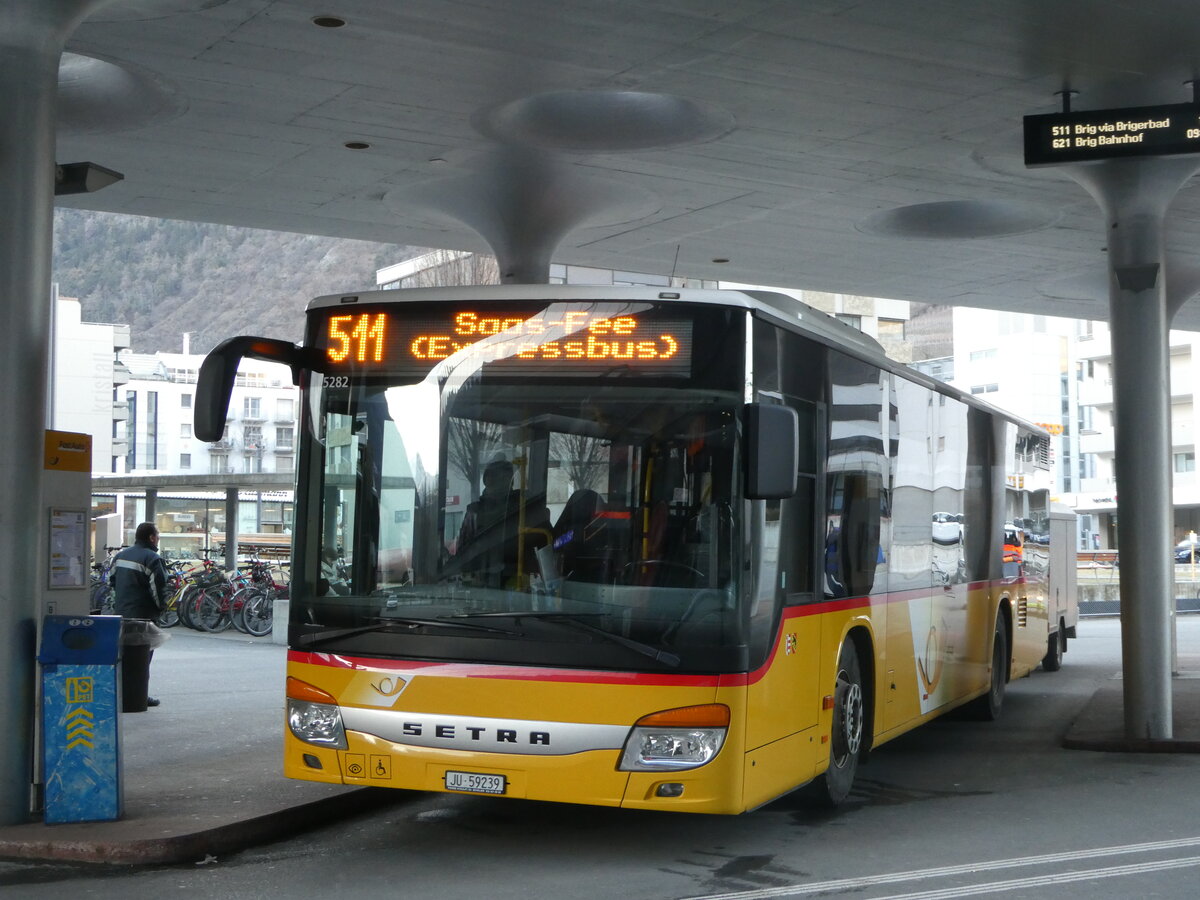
x: 852, y: 549
x: 856, y: 462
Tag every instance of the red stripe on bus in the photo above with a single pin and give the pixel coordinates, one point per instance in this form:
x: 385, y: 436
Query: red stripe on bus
x: 653, y: 679
x: 511, y: 673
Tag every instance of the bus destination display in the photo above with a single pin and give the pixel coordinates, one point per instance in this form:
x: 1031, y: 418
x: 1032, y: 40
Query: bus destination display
x: 1056, y: 138
x: 570, y: 341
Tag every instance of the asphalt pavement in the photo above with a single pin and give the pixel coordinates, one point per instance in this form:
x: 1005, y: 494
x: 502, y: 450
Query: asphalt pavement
x: 202, y: 772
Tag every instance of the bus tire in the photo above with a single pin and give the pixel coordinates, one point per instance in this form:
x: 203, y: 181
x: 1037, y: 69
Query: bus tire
x: 848, y: 731
x: 987, y: 708
x: 1053, y: 659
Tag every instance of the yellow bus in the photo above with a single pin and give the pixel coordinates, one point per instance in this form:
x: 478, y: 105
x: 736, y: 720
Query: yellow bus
x: 657, y: 549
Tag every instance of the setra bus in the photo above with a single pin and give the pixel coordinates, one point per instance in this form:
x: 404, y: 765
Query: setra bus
x: 660, y: 549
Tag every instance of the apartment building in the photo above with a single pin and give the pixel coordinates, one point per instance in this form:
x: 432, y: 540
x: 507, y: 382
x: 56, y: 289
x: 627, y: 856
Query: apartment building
x: 260, y: 431
x: 1097, y: 495
x: 1058, y: 373
x: 86, y: 392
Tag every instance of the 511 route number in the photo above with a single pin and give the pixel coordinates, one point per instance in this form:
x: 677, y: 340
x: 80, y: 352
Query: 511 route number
x: 363, y: 340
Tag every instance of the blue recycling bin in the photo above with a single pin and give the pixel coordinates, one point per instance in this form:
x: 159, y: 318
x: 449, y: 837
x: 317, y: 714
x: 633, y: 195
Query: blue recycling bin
x: 81, y: 739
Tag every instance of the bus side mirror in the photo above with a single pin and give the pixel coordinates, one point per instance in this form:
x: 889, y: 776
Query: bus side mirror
x: 218, y: 372
x: 772, y: 448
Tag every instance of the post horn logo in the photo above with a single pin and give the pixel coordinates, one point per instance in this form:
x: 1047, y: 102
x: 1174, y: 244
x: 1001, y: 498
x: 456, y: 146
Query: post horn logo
x: 389, y: 685
x: 930, y: 668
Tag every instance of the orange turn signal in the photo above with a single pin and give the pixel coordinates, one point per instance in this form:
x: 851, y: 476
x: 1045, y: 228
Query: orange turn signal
x: 302, y: 690
x: 709, y: 715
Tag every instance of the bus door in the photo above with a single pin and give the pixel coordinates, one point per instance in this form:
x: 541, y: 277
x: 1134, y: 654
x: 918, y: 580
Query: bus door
x: 859, y: 476
x: 910, y: 577
x: 785, y: 631
x: 929, y: 583
x: 681, y: 527
x: 943, y: 671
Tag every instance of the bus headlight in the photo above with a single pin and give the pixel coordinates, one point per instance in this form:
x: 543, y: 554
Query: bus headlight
x: 317, y: 723
x: 314, y: 716
x: 676, y: 739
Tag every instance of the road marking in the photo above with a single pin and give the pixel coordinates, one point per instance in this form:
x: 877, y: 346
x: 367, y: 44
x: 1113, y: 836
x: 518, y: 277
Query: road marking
x: 1014, y: 884
x: 799, y: 890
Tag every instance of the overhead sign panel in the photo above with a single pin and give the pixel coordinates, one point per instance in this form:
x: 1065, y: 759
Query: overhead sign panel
x: 401, y: 341
x: 1168, y: 130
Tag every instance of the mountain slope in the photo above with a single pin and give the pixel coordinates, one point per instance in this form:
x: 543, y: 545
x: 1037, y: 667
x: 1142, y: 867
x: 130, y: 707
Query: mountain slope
x: 165, y: 277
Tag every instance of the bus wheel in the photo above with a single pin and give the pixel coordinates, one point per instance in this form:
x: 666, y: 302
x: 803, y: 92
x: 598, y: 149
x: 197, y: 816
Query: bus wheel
x: 845, y: 742
x: 1052, y: 661
x: 987, y: 707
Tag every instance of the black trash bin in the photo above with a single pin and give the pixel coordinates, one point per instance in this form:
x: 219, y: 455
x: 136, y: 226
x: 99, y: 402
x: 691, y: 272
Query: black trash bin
x: 137, y: 646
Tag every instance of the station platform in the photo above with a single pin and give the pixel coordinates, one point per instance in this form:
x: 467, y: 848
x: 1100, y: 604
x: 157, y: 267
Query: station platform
x: 1100, y: 724
x: 202, y: 771
x: 203, y: 779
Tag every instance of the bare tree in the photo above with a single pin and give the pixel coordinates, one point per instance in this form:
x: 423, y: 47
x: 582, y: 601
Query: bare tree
x: 469, y: 444
x: 450, y: 268
x: 582, y: 457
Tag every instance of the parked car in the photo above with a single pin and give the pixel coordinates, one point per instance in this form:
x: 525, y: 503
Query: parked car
x: 1188, y: 550
x: 947, y: 527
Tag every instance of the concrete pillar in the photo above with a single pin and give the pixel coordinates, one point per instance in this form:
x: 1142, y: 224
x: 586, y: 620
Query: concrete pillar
x: 151, y: 511
x: 32, y: 36
x: 231, y: 528
x: 1134, y: 196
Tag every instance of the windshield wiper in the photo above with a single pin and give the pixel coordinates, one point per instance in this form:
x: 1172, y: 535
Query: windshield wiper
x: 394, y: 624
x: 662, y: 656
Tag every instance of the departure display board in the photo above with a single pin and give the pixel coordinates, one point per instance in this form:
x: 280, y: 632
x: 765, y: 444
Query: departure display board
x: 1057, y: 138
x: 555, y: 340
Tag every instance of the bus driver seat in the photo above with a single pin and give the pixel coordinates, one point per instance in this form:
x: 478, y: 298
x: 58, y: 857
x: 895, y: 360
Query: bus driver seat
x: 577, y: 537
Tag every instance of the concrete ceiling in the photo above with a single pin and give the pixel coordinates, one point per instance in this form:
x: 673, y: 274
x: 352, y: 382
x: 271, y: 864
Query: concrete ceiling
x: 853, y: 146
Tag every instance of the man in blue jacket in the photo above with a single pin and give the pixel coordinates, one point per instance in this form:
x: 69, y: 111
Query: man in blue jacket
x: 140, y: 581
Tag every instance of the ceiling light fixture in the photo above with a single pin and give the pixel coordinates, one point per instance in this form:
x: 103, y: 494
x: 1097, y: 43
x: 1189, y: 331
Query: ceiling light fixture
x: 82, y: 178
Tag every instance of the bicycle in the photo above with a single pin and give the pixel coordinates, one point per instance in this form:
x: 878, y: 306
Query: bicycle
x: 214, y: 609
x: 177, y: 585
x: 200, y: 579
x: 253, y: 607
x: 103, y: 597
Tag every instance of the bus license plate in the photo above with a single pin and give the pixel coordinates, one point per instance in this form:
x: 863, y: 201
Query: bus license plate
x: 475, y: 783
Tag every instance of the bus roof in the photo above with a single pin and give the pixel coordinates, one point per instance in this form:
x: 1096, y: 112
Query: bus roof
x: 780, y: 308
x: 776, y: 305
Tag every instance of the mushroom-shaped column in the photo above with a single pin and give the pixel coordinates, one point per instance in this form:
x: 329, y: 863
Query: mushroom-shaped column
x: 1134, y: 195
x: 523, y: 203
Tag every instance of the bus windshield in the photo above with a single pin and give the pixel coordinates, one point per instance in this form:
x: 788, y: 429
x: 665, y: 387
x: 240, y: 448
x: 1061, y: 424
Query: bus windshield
x: 485, y: 511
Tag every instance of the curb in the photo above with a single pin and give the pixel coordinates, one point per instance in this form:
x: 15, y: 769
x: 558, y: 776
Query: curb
x: 198, y: 846
x: 1130, y: 745
x: 1100, y: 725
